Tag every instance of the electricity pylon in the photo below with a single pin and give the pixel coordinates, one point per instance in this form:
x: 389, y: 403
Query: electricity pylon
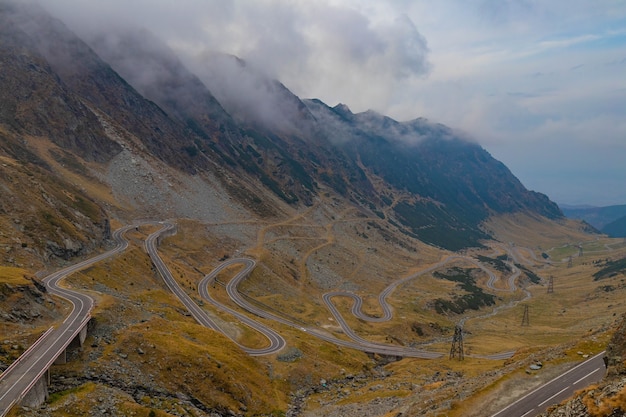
x: 525, y: 318
x: 456, y: 351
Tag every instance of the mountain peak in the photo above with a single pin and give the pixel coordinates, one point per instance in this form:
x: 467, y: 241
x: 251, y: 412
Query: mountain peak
x: 343, y: 110
x: 226, y: 113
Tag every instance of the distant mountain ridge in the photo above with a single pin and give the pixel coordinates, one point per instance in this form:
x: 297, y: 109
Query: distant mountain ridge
x: 421, y: 177
x: 598, y: 217
x: 616, y: 228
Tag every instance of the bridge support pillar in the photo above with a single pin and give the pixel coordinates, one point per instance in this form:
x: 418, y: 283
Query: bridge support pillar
x: 38, y: 394
x: 79, y: 340
x: 62, y: 358
x: 83, y: 334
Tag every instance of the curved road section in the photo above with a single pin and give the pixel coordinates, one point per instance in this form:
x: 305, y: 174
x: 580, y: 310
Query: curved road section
x: 276, y: 341
x: 382, y: 297
x: 20, y: 377
x: 357, y: 342
x: 386, y: 308
x: 24, y: 373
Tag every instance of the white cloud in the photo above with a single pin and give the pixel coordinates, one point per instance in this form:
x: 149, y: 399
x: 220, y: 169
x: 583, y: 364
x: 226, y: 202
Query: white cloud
x: 517, y: 74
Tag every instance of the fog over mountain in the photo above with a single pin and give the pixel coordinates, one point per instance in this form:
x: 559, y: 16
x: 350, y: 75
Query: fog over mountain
x: 240, y: 248
x: 436, y: 185
x: 544, y: 98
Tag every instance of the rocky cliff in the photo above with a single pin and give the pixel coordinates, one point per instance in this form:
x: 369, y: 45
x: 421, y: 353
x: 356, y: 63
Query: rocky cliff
x: 129, y: 91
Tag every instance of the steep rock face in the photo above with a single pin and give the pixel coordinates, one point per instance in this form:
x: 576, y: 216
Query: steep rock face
x: 35, y: 102
x: 27, y: 301
x: 157, y: 73
x: 616, y: 351
x: 350, y: 153
x: 251, y: 97
x: 83, y: 73
x: 43, y: 217
x: 425, y: 179
x: 249, y: 149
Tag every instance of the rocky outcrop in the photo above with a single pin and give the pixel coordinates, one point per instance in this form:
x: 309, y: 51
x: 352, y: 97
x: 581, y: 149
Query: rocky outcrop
x: 28, y: 303
x: 424, y: 178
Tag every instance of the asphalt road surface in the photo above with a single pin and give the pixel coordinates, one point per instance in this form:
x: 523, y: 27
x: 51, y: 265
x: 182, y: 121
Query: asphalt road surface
x: 560, y: 388
x: 277, y: 342
x: 357, y: 342
x: 151, y: 248
x: 28, y: 368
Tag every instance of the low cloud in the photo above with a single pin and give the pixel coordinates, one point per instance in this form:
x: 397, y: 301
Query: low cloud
x: 323, y: 49
x: 498, y: 69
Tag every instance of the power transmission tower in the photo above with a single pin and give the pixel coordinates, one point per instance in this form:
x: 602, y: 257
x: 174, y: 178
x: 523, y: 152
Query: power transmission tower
x: 525, y: 318
x: 456, y: 351
x: 580, y: 250
x: 550, y: 284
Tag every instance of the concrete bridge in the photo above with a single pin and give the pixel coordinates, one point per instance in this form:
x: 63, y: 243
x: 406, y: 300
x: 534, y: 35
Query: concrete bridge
x: 26, y: 380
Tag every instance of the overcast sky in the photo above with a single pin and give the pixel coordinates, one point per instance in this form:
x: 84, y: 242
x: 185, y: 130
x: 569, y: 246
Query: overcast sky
x: 541, y: 84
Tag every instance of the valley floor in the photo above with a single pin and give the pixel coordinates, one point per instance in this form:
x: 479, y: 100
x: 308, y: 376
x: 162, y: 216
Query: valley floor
x: 342, y: 252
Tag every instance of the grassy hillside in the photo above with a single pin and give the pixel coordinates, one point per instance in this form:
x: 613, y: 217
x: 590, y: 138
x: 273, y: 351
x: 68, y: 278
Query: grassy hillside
x: 341, y: 205
x: 146, y: 354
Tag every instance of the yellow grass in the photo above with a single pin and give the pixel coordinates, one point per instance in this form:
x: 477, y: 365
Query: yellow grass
x: 93, y: 187
x: 13, y: 276
x: 189, y: 358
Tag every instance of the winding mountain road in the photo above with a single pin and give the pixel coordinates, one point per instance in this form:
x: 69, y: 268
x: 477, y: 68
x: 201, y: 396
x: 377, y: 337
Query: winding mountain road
x: 21, y: 376
x: 277, y: 342
x: 386, y: 308
x: 24, y: 373
x: 151, y: 248
x: 357, y: 343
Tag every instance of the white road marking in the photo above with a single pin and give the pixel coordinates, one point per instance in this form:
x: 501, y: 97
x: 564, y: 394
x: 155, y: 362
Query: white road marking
x: 546, y: 384
x: 558, y: 393
x: 590, y: 373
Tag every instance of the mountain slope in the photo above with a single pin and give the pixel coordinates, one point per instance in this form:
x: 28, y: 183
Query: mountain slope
x: 598, y: 217
x: 351, y: 153
x: 450, y: 185
x: 616, y: 228
x: 35, y: 102
x: 118, y: 128
x: 112, y: 114
x: 421, y: 177
x: 98, y: 86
